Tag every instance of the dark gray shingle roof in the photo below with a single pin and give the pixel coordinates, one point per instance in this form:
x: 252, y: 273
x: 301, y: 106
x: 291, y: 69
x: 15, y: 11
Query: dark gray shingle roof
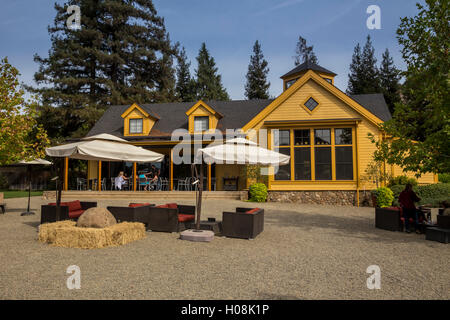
x: 308, y: 66
x: 173, y: 116
x: 375, y: 103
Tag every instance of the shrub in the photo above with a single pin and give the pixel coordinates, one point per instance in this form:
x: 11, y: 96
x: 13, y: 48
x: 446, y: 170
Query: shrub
x: 444, y: 177
x: 384, y: 197
x: 401, y: 180
x: 258, y: 192
x: 432, y: 194
x: 4, y: 185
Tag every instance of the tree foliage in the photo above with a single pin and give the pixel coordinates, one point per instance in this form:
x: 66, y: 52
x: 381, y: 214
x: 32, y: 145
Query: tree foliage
x: 257, y: 86
x: 304, y: 53
x: 363, y: 77
x: 185, y: 86
x: 389, y: 77
x: 420, y: 125
x: 208, y: 81
x: 21, y: 138
x: 120, y: 55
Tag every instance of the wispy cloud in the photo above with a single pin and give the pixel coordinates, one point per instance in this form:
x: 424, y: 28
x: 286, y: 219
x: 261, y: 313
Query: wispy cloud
x: 278, y: 6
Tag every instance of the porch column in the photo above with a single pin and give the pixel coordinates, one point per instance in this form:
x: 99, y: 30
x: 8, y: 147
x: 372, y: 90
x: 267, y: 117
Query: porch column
x: 66, y: 173
x: 134, y: 176
x: 357, y: 165
x: 209, y: 177
x: 99, y: 181
x: 171, y: 170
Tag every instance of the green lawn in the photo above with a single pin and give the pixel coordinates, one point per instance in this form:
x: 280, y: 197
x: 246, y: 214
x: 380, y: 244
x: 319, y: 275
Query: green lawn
x: 19, y: 194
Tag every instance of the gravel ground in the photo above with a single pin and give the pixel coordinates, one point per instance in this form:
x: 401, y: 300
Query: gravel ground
x: 305, y: 252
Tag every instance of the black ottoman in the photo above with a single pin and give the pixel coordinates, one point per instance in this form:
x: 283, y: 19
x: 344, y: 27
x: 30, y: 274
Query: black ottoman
x: 438, y: 234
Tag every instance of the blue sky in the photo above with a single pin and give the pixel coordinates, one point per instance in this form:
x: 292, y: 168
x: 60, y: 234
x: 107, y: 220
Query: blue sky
x: 230, y: 29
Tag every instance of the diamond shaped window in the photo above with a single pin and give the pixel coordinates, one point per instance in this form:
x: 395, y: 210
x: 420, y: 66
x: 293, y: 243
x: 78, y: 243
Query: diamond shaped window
x: 311, y: 104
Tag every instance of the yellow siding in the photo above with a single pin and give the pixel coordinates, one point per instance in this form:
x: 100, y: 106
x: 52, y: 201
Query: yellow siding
x: 424, y: 179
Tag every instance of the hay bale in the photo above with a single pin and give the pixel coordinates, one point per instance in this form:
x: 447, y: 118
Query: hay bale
x: 67, y: 234
x: 96, y: 217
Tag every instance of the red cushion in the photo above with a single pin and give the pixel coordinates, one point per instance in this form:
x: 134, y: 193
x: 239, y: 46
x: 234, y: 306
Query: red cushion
x: 162, y: 206
x: 172, y: 206
x: 75, y: 214
x: 74, y: 205
x: 134, y: 205
x: 185, y: 217
x: 252, y: 210
x: 392, y: 208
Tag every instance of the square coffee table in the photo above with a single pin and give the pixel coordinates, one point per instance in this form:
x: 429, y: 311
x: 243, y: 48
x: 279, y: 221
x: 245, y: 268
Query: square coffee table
x: 214, y: 226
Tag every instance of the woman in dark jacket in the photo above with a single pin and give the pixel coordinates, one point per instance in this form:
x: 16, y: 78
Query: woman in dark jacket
x: 406, y: 199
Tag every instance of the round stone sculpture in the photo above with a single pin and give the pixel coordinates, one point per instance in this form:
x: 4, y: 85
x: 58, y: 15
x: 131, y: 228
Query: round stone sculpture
x: 96, y: 217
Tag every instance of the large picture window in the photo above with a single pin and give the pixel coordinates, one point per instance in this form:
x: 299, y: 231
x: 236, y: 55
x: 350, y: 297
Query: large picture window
x: 136, y: 125
x: 317, y: 154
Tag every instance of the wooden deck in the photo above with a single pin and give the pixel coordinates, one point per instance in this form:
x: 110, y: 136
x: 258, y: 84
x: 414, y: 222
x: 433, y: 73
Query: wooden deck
x: 145, y: 195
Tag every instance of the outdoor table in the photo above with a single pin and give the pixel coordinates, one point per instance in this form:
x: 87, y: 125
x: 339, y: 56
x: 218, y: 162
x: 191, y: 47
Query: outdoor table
x: 214, y: 226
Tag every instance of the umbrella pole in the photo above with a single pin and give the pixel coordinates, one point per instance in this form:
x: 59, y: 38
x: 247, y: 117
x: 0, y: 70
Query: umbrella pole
x: 200, y: 191
x: 28, y: 212
x: 29, y: 187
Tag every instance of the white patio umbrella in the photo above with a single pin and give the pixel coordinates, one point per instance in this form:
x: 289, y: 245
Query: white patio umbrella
x: 29, y: 164
x: 236, y: 151
x: 103, y: 147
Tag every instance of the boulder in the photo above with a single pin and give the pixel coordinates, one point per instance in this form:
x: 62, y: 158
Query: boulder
x: 96, y: 218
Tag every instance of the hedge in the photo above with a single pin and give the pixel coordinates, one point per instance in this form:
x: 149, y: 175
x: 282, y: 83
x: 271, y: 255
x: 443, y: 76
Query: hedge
x: 432, y: 194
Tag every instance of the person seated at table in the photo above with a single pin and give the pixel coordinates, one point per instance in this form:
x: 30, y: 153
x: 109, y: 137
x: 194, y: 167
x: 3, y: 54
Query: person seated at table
x: 406, y: 199
x: 154, y: 180
x: 120, y: 180
x: 146, y: 176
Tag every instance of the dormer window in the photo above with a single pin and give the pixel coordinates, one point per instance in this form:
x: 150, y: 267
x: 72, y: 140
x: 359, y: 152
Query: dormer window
x: 136, y: 126
x: 329, y: 80
x: 201, y: 124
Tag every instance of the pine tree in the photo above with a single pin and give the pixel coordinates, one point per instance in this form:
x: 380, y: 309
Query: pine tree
x: 122, y: 54
x: 363, y: 76
x: 389, y: 81
x: 257, y: 86
x: 208, y: 82
x: 185, y: 86
x: 304, y: 52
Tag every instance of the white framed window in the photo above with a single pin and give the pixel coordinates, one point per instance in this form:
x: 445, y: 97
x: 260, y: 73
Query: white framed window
x: 201, y: 124
x: 136, y: 125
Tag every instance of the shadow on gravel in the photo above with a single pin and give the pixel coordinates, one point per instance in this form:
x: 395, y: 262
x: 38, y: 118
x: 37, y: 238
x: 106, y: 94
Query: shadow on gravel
x: 33, y: 224
x: 355, y: 227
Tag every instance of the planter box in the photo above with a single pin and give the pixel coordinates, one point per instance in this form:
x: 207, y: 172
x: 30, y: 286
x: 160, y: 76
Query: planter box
x: 388, y: 219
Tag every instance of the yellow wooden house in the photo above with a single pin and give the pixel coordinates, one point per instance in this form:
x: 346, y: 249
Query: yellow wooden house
x: 324, y: 130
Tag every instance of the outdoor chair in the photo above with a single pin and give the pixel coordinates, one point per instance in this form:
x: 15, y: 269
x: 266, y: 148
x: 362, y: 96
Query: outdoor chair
x: 81, y: 184
x: 170, y: 217
x: 142, y: 183
x: 68, y: 210
x: 184, y: 183
x: 245, y: 223
x: 135, y: 212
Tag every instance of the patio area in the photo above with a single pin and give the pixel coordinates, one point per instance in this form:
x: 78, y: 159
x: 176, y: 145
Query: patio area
x: 305, y: 252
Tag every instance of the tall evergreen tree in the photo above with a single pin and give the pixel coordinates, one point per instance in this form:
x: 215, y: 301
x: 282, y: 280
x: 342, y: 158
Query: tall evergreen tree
x: 120, y: 55
x: 257, y: 86
x: 208, y: 82
x: 304, y: 52
x: 363, y: 77
x: 185, y: 86
x: 389, y: 81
